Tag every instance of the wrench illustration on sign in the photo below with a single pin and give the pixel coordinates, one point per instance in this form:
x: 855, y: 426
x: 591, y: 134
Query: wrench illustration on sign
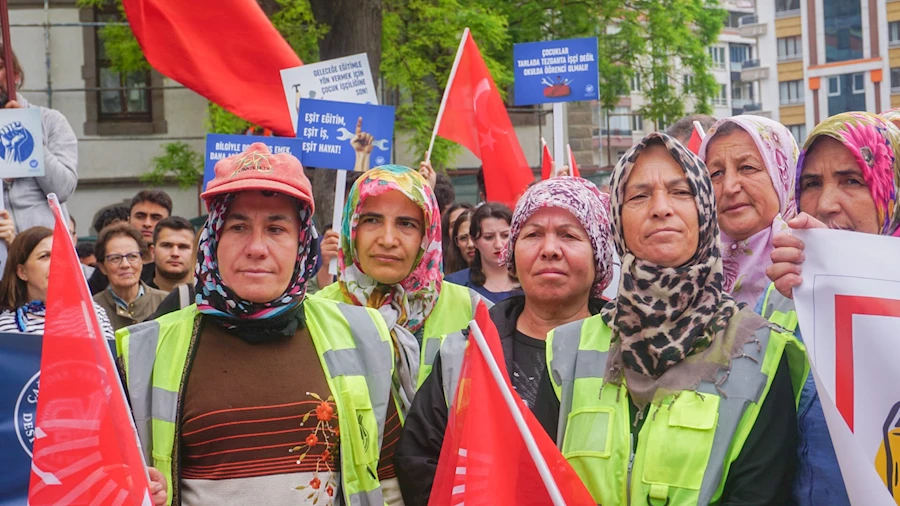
x: 346, y: 135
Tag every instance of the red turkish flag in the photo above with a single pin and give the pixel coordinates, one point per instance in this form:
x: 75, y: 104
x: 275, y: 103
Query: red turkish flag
x: 546, y: 161
x: 573, y: 167
x: 694, y: 142
x: 85, y: 446
x: 484, y: 460
x: 226, y: 50
x: 474, y: 115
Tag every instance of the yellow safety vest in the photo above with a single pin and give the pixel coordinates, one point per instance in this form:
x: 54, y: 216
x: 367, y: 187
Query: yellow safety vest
x: 688, y: 441
x: 454, y: 309
x: 353, y: 345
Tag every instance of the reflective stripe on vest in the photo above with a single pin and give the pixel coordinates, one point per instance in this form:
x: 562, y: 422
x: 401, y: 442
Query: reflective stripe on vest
x: 446, y: 316
x: 571, y: 364
x: 452, y: 353
x: 567, y: 363
x: 353, y: 362
x: 153, y: 385
x: 779, y: 309
x: 144, y: 396
x: 781, y: 312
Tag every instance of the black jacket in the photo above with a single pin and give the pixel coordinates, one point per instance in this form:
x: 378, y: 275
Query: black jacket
x: 419, y: 449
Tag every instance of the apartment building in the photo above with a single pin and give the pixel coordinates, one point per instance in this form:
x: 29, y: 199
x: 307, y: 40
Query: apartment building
x: 735, y: 66
x: 824, y: 57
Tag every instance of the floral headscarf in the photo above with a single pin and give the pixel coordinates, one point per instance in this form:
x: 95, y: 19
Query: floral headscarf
x: 745, y: 262
x: 892, y: 115
x: 663, y: 314
x: 590, y: 207
x: 407, y: 304
x: 875, y: 143
x: 217, y: 299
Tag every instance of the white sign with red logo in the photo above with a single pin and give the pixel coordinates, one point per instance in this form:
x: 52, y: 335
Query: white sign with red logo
x: 849, y: 311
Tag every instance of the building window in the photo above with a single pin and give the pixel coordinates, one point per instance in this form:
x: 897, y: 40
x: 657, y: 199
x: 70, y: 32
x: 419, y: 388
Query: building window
x: 117, y: 103
x: 784, y: 6
x: 859, y: 83
x: 843, y: 30
x: 636, y: 83
x: 718, y: 56
x: 834, y: 86
x: 637, y: 123
x: 739, y: 52
x: 688, y: 81
x: 122, y: 96
x: 799, y: 133
x: 615, y: 122
x: 790, y: 48
x: 846, y: 92
x: 790, y: 92
x: 895, y: 80
x: 894, y: 33
x: 722, y: 97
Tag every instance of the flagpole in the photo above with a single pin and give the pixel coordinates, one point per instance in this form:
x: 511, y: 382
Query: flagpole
x: 699, y: 129
x: 440, y: 114
x: 530, y: 443
x: 7, y: 52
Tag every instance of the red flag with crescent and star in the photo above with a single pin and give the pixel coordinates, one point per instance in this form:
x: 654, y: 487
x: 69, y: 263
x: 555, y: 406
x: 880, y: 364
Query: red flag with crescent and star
x: 475, y: 116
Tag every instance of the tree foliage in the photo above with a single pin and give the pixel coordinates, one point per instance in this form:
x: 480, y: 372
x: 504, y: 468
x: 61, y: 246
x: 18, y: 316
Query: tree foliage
x: 654, y: 41
x: 179, y: 161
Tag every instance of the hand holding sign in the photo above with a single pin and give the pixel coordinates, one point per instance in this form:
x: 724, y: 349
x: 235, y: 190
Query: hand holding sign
x: 788, y: 255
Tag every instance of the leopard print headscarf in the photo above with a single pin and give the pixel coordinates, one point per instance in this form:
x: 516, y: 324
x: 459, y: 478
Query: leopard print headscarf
x: 664, y: 314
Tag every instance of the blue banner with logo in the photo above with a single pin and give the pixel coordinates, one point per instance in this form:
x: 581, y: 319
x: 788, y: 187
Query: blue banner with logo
x: 20, y: 364
x: 343, y: 135
x: 21, y: 143
x: 555, y: 71
x: 219, y: 146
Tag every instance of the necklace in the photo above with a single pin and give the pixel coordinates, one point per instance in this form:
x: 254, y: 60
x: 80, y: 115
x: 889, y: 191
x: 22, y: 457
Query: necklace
x: 491, y: 287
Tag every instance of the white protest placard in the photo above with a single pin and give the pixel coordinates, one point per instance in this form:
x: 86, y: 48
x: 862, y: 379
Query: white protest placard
x: 347, y: 79
x: 21, y: 143
x: 849, y: 311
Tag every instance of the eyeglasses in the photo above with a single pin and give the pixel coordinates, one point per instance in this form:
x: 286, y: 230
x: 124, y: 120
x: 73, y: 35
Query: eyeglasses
x: 132, y: 258
x: 462, y: 239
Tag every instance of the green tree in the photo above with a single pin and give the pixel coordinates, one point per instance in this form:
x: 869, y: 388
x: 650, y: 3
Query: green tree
x: 654, y: 41
x: 179, y: 161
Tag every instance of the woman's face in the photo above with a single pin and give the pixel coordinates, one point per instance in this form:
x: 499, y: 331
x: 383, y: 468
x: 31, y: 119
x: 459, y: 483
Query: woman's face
x: 389, y: 236
x: 834, y: 190
x: 454, y: 215
x: 554, y: 258
x: 35, y: 272
x: 746, y: 200
x: 659, y: 214
x: 123, y: 272
x: 465, y: 243
x: 494, y: 236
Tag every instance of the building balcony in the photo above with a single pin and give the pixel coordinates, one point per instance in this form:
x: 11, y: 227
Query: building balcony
x: 757, y: 109
x: 787, y: 13
x: 750, y: 27
x: 752, y: 71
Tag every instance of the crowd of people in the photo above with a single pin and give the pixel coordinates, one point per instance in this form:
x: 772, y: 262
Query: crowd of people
x: 254, y: 375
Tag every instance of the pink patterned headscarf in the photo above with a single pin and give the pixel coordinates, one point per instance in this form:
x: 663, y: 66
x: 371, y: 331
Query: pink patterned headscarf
x: 745, y: 262
x: 587, y: 204
x: 875, y: 143
x: 406, y: 305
